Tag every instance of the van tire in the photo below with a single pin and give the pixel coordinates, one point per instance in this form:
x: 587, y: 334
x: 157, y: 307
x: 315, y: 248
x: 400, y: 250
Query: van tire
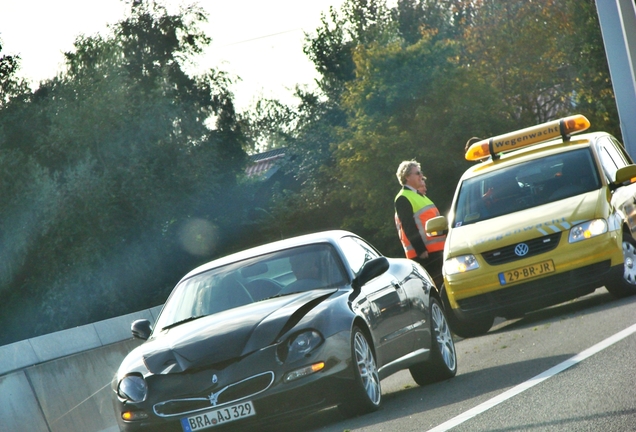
x: 625, y: 284
x: 462, y: 327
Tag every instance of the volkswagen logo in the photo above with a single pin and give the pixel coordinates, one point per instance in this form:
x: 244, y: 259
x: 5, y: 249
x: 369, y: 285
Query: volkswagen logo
x: 521, y: 249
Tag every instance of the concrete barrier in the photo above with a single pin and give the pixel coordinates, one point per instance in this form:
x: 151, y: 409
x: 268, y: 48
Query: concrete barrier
x: 61, y: 382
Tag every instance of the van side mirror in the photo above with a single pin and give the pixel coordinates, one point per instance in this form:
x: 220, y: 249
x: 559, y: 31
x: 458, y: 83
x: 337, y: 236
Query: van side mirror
x: 625, y: 174
x: 437, y: 226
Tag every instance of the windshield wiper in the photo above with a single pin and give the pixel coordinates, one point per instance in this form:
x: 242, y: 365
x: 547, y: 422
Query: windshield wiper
x: 279, y: 295
x: 296, y: 292
x: 176, y: 323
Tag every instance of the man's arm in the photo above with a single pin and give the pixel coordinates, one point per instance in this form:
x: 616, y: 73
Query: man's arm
x: 404, y: 211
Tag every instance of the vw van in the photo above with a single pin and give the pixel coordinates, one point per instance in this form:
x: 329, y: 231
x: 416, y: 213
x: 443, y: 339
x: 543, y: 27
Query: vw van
x: 546, y: 215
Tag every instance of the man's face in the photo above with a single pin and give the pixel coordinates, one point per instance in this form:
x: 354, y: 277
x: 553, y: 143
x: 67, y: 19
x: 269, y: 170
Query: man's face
x: 415, y: 179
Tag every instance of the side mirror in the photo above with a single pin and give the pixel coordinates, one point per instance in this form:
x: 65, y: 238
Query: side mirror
x: 437, y: 226
x: 371, y: 270
x: 141, y: 329
x: 627, y: 173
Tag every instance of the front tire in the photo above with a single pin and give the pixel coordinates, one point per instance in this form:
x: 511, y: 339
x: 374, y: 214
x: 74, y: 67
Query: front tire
x: 625, y: 285
x: 443, y: 360
x: 367, y: 392
x: 462, y: 327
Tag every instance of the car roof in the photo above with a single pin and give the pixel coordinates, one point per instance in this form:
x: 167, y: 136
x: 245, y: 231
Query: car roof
x: 535, y: 151
x: 313, y: 238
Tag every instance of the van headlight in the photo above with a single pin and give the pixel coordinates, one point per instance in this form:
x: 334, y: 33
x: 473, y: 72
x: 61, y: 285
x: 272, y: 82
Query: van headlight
x: 461, y: 264
x: 587, y: 230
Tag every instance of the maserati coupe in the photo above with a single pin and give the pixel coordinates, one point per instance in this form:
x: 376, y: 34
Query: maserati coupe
x: 279, y: 331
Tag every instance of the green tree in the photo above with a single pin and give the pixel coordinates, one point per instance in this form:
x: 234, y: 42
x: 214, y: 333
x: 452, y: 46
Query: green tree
x: 376, y: 65
x: 118, y: 183
x: 417, y: 81
x: 10, y: 84
x: 408, y: 102
x: 268, y: 125
x: 594, y: 95
x: 544, y: 57
x: 320, y: 115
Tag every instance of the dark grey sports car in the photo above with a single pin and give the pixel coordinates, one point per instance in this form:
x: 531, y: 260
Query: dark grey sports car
x: 281, y: 330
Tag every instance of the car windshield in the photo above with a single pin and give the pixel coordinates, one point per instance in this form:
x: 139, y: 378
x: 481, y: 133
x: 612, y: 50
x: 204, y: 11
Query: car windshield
x: 525, y: 185
x: 252, y: 280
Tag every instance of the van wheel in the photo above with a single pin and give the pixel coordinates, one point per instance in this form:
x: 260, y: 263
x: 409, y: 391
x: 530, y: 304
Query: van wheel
x: 462, y: 327
x: 625, y: 285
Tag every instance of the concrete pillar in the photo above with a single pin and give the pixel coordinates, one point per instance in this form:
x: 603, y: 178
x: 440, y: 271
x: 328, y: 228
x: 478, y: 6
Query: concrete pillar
x: 618, y: 26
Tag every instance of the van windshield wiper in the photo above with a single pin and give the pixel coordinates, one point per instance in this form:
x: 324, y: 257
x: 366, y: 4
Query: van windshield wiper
x: 183, y: 321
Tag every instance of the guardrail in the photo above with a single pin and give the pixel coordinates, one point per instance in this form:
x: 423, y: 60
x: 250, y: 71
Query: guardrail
x: 60, y: 382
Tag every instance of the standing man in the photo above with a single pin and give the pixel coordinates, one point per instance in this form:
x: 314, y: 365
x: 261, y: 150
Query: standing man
x: 412, y: 209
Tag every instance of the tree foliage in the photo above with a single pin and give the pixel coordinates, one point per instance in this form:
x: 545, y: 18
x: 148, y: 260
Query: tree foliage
x: 419, y: 79
x: 117, y: 182
x: 10, y: 84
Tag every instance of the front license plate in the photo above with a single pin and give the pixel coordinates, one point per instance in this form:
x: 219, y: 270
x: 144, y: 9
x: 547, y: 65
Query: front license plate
x: 526, y: 272
x: 218, y: 417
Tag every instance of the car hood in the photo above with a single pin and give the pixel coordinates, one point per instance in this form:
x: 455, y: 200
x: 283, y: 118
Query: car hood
x: 226, y: 335
x: 526, y: 224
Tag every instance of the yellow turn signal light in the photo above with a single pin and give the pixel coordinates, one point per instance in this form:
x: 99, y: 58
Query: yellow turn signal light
x: 134, y: 415
x: 304, y: 371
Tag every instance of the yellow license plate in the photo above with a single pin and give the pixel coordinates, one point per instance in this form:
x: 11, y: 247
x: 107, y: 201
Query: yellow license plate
x: 527, y: 272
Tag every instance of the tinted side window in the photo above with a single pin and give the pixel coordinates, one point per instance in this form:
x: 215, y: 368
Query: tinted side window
x: 621, y: 149
x: 612, y: 157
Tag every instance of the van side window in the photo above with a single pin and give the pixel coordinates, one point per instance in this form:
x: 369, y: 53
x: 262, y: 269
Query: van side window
x: 612, y: 158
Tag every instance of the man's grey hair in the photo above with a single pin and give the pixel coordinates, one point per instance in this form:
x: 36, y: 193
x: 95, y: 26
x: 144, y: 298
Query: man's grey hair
x: 405, y: 169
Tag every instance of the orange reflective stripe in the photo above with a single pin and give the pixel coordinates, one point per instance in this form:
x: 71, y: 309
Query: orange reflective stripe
x: 435, y: 244
x: 406, y: 244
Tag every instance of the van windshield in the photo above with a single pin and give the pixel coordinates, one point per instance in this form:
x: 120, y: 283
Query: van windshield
x: 525, y: 185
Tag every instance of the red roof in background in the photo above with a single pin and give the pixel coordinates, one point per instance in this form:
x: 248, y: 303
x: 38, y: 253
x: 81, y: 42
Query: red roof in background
x: 265, y: 163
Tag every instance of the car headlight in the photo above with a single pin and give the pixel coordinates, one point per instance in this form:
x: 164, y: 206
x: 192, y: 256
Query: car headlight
x: 461, y: 264
x: 302, y: 345
x: 587, y: 230
x: 133, y: 388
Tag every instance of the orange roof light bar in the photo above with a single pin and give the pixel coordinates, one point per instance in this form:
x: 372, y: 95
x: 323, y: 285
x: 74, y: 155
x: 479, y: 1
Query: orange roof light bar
x: 524, y: 137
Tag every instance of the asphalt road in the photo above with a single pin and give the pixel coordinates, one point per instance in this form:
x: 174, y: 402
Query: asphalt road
x: 565, y: 368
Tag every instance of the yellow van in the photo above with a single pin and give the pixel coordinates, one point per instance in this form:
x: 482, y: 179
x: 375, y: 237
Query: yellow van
x: 545, y: 216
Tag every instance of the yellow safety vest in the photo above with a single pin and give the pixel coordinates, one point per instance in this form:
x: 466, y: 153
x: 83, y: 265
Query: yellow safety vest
x: 423, y: 210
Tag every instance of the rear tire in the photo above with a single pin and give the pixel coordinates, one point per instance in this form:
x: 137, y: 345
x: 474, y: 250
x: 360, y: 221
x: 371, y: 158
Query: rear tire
x: 366, y: 396
x: 443, y: 360
x: 462, y: 327
x: 625, y: 285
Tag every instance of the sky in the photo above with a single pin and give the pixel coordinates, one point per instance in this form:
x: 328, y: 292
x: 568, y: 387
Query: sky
x: 258, y: 40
